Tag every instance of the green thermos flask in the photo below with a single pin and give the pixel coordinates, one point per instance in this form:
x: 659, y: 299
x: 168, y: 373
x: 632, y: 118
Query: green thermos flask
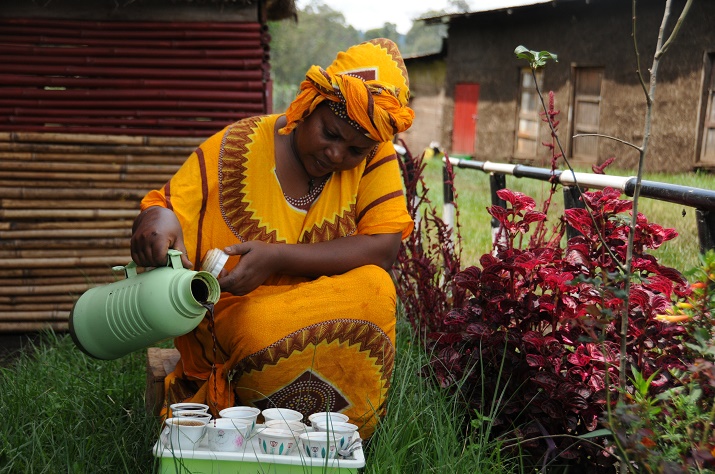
x: 110, y: 321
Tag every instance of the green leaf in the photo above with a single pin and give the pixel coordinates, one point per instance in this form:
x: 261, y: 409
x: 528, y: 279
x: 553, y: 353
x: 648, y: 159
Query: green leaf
x: 536, y: 59
x: 596, y: 434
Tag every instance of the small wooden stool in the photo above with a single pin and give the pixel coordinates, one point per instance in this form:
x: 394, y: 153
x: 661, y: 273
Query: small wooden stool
x: 159, y: 363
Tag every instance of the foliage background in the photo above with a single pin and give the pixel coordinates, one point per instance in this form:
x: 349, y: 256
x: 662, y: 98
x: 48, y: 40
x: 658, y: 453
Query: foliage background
x: 321, y: 32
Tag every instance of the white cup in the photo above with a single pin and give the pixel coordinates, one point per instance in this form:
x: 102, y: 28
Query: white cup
x: 227, y: 434
x: 189, y: 406
x: 191, y: 414
x: 244, y: 414
x: 328, y: 417
x: 318, y: 444
x: 184, y: 434
x: 283, y: 414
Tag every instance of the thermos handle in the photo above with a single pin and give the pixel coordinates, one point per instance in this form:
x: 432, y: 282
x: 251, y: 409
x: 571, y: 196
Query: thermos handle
x: 174, y: 261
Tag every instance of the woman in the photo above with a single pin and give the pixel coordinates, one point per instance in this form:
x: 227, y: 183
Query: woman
x: 310, y: 209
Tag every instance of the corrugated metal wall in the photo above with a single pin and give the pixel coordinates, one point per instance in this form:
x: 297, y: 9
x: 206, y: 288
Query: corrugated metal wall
x: 92, y: 116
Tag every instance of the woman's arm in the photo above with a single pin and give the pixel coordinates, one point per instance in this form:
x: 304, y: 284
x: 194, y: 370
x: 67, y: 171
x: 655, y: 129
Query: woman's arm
x: 260, y: 260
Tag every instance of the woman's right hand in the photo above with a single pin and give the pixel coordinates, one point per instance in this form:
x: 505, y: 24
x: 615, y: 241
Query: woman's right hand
x: 155, y: 231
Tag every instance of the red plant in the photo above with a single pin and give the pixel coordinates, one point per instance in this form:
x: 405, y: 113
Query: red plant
x: 545, y: 320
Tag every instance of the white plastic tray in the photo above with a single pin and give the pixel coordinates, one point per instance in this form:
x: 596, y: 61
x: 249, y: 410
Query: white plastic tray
x: 251, y: 460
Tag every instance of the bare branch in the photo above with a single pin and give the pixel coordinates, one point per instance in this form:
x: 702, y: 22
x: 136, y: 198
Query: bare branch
x: 676, y: 29
x: 600, y: 135
x: 638, y: 54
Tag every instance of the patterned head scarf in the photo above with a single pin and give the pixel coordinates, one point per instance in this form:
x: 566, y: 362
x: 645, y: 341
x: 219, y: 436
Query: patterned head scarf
x: 367, y: 85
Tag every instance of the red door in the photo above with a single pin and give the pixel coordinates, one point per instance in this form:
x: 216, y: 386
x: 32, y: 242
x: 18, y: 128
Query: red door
x: 464, y: 130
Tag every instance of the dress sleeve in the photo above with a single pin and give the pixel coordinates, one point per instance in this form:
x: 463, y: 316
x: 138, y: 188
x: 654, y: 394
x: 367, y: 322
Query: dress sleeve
x: 381, y: 204
x: 187, y: 192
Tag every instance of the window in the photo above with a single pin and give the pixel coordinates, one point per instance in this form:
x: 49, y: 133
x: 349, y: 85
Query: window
x: 528, y: 119
x: 586, y: 112
x: 707, y: 150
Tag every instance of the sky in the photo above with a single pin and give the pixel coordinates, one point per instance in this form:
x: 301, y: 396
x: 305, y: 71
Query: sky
x: 368, y: 14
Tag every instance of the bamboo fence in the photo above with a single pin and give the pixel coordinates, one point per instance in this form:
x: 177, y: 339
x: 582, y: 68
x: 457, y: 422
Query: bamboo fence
x: 93, y: 115
x: 66, y: 211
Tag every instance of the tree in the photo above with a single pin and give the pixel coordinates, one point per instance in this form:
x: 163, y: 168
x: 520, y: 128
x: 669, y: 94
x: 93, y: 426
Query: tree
x: 423, y: 38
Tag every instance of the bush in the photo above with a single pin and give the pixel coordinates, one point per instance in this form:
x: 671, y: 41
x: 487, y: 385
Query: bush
x: 539, y: 325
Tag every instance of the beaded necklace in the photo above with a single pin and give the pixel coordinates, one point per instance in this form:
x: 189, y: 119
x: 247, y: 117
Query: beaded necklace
x: 313, y: 189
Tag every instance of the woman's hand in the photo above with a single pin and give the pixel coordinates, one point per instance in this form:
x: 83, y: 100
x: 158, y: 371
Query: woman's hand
x: 259, y: 260
x: 155, y: 231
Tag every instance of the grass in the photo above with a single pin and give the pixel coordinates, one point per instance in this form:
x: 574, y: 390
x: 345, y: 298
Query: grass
x: 66, y: 412
x: 473, y: 197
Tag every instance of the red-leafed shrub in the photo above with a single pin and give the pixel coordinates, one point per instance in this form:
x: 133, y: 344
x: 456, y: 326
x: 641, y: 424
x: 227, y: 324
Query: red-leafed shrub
x: 540, y: 325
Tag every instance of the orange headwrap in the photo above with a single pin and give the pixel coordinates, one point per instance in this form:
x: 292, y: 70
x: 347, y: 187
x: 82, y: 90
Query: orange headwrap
x: 370, y: 79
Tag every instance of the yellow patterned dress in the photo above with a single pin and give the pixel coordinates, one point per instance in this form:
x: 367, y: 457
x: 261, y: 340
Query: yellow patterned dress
x: 310, y: 345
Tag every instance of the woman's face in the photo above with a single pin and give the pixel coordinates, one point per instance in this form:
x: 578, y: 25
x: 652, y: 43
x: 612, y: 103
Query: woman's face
x: 326, y: 143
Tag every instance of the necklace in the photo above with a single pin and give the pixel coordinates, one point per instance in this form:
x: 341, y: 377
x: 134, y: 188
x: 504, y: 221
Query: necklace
x: 313, y: 189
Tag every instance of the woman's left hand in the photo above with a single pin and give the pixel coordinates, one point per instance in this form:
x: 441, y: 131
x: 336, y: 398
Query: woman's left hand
x: 259, y: 260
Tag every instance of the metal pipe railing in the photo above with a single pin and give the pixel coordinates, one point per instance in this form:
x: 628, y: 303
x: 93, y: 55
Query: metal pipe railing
x: 703, y: 200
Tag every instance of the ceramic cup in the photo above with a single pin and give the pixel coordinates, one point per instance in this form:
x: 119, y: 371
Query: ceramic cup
x: 283, y: 414
x: 342, y: 432
x: 192, y: 414
x: 189, y: 406
x: 183, y: 433
x: 277, y: 441
x: 318, y: 444
x: 247, y: 415
x: 327, y: 417
x: 227, y: 434
x: 295, y: 426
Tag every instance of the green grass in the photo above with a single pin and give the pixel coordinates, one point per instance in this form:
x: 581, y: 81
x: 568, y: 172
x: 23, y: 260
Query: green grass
x: 474, y: 197
x: 66, y: 412
x: 425, y: 429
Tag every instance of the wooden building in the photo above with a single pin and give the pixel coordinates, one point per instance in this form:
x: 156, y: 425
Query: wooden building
x: 101, y: 102
x: 491, y: 110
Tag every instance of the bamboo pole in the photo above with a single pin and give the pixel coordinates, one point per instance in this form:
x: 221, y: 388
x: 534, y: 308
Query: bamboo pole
x: 64, y: 232
x: 140, y: 186
x: 243, y: 70
x: 43, y: 226
x: 85, y: 272
x: 79, y: 178
x: 116, y: 150
x: 122, y: 121
x: 74, y: 129
x: 61, y: 315
x: 175, y: 161
x: 65, y: 262
x: 36, y: 307
x: 66, y: 214
x: 105, y: 168
x: 95, y: 280
x: 61, y: 244
x: 70, y: 193
x: 67, y: 204
x: 39, y: 299
x: 46, y: 289
x: 66, y: 253
x: 25, y: 327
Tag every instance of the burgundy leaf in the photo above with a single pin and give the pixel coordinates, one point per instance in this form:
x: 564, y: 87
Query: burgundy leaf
x: 535, y: 360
